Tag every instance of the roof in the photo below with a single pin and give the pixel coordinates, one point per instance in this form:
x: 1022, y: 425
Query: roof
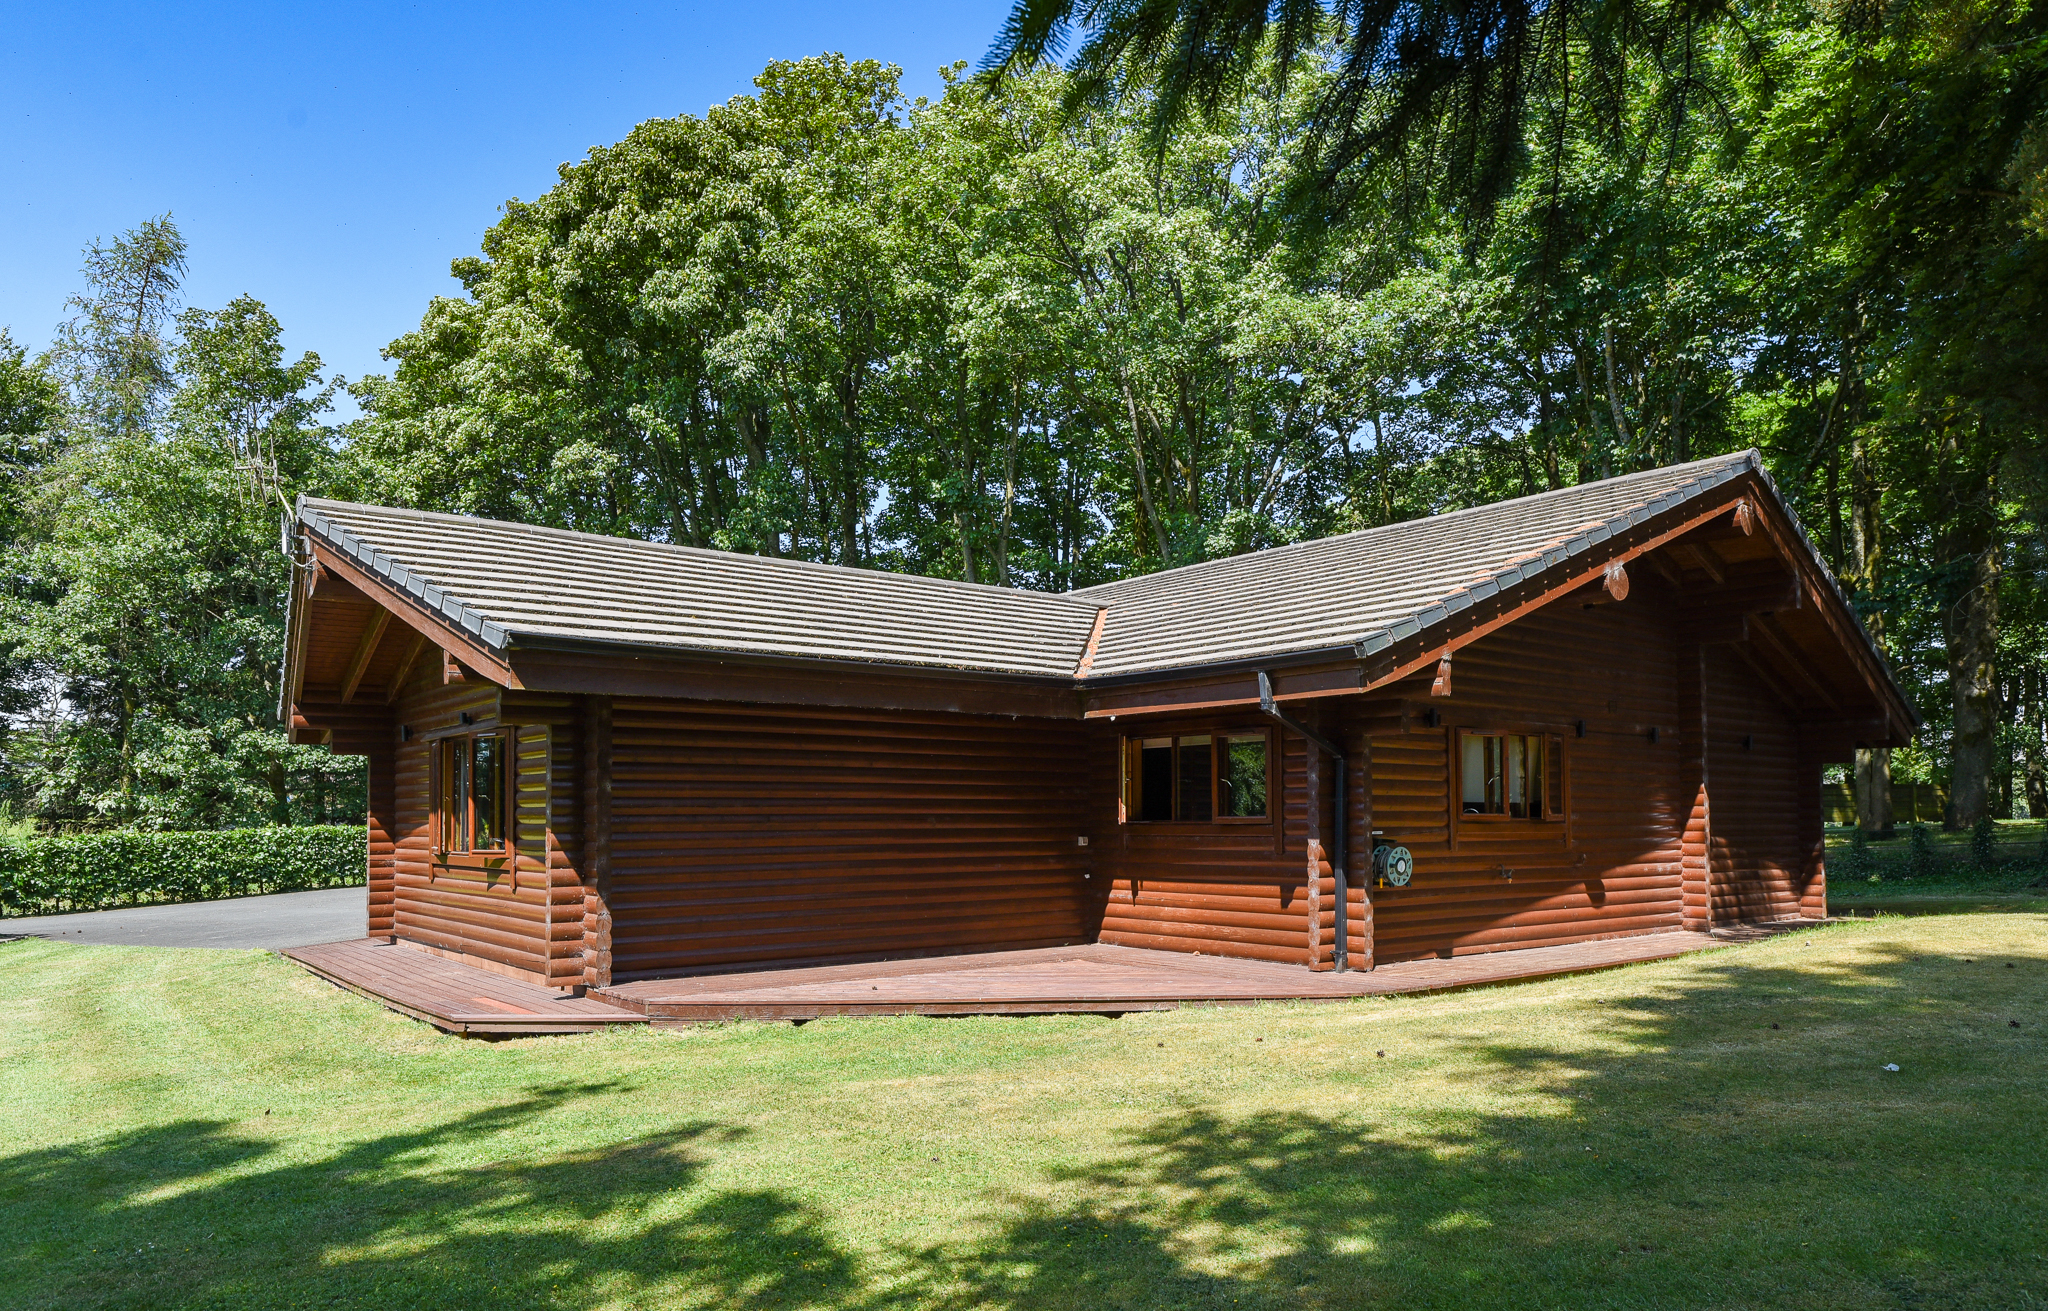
x: 500, y: 582
x: 1375, y: 587
x: 505, y: 583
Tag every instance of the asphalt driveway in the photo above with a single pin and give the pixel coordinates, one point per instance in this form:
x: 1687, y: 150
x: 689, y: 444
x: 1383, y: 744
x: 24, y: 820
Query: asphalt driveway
x: 286, y: 919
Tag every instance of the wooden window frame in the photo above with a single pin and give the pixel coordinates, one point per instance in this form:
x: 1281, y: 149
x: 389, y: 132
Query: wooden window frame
x: 1553, y: 744
x: 1131, y: 774
x: 443, y: 748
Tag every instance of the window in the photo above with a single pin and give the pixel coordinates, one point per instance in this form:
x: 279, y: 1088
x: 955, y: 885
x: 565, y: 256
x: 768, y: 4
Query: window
x: 1196, y: 777
x: 1510, y: 775
x: 474, y: 796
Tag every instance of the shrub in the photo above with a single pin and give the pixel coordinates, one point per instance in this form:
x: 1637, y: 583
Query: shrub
x: 1984, y: 843
x: 1857, y: 862
x: 95, y: 871
x: 1920, y: 857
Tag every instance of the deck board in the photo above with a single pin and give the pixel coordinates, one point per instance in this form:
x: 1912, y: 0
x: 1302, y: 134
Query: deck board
x: 1087, y: 979
x: 452, y: 996
x: 1102, y: 979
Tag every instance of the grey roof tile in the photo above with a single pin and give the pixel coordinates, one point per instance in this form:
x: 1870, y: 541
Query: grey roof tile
x: 502, y: 582
x: 1372, y: 588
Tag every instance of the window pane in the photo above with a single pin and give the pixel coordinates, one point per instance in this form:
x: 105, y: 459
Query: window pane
x: 1553, y: 771
x: 1515, y: 776
x: 458, y: 754
x: 1196, y: 762
x: 1155, y: 778
x: 488, y: 781
x: 1241, y: 791
x: 1472, y: 773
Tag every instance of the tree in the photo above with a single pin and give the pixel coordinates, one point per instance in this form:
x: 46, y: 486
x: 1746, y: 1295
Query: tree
x: 147, y: 602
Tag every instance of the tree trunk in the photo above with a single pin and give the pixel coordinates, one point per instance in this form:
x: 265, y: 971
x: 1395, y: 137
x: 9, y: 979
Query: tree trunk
x: 1874, y: 790
x: 2034, y: 735
x: 1970, y: 625
x: 1144, y: 483
x: 1873, y: 777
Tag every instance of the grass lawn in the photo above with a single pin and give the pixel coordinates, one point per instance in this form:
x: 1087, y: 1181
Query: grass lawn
x: 199, y: 1129
x: 1947, y: 879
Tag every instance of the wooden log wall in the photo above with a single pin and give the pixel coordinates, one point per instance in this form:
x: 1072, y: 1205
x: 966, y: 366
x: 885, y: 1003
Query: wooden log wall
x: 1220, y: 889
x: 1693, y: 784
x: 552, y: 812
x: 1757, y: 862
x: 752, y: 834
x: 1614, y: 867
x: 526, y: 918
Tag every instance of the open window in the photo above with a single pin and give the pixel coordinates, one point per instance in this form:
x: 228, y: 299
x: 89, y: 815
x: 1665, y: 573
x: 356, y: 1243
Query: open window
x: 474, y: 799
x: 1198, y: 778
x: 1510, y: 776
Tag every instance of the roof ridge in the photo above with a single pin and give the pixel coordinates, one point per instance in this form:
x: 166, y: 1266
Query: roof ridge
x: 766, y: 561
x: 1752, y: 456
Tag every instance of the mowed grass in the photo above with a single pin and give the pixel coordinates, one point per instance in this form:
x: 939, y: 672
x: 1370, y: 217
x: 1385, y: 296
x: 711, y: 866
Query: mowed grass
x: 199, y: 1129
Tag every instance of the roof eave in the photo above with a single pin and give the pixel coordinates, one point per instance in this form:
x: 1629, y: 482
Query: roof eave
x: 518, y: 641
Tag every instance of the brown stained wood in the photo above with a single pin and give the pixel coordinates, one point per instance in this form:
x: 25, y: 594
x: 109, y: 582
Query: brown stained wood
x: 366, y: 647
x: 413, y: 647
x: 653, y: 675
x: 1442, y: 684
x: 1094, y: 641
x: 1101, y: 979
x: 1615, y: 866
x: 1700, y: 558
x: 1179, y: 696
x: 409, y: 612
x: 753, y: 834
x: 596, y: 800
x: 1615, y: 581
x: 1755, y: 853
x: 1745, y: 517
x: 1772, y: 638
x: 455, y: 997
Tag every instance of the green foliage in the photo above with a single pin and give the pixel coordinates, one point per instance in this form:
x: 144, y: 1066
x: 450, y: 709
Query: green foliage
x: 96, y: 871
x: 1920, y: 858
x: 144, y: 620
x: 1984, y: 843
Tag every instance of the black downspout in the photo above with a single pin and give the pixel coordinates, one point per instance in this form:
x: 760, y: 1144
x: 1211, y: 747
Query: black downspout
x: 1342, y: 960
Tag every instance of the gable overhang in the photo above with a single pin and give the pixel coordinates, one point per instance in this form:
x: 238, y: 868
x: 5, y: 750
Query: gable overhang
x: 1408, y: 646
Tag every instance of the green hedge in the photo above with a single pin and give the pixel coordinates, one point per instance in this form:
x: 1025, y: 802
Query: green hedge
x: 95, y: 871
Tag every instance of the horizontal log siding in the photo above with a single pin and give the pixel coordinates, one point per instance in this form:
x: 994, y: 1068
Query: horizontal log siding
x: 1614, y: 666
x: 498, y: 920
x: 749, y: 834
x: 1220, y: 889
x: 1757, y: 857
x: 562, y: 821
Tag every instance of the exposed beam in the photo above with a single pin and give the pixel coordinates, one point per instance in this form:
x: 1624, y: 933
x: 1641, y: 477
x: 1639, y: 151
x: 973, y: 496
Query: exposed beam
x: 1694, y: 556
x: 1662, y: 563
x: 359, y: 663
x: 405, y: 664
x: 1764, y: 675
x: 465, y: 649
x: 1767, y: 633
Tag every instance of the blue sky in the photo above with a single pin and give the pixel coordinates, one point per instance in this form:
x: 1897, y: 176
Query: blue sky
x: 330, y: 162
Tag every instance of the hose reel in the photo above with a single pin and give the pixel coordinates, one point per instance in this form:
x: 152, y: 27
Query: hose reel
x: 1392, y: 867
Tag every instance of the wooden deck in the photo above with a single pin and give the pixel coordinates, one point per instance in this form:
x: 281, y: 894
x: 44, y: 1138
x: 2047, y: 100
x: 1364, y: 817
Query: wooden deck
x: 451, y: 996
x: 1093, y: 979
x: 1099, y: 979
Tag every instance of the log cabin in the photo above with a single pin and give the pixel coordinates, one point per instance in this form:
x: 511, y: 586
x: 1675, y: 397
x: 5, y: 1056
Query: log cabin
x: 1589, y: 713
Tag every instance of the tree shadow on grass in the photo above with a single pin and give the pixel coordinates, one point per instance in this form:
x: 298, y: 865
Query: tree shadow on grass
x: 1697, y: 1157
x: 205, y: 1213
x: 1689, y: 1155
